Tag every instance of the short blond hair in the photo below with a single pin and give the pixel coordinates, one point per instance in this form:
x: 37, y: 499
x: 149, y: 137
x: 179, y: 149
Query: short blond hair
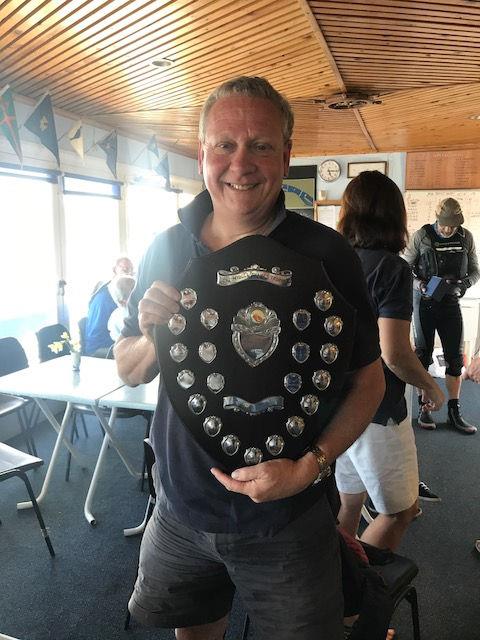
x: 251, y: 87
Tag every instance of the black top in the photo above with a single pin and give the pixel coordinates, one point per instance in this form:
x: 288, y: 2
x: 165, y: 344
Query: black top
x: 195, y: 497
x: 389, y: 281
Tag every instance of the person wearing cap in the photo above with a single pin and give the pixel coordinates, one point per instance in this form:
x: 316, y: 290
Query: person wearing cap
x: 446, y: 250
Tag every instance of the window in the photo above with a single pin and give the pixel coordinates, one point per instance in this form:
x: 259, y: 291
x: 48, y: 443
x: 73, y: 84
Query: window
x: 27, y: 247
x: 150, y: 210
x: 91, y: 247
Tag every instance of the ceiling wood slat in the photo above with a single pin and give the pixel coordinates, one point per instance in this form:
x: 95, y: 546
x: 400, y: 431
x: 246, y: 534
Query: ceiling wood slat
x: 422, y: 58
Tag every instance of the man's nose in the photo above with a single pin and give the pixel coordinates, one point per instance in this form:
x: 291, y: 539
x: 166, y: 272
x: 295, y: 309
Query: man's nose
x: 242, y: 159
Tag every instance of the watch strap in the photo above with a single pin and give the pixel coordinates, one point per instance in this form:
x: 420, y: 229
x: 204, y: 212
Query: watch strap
x: 323, y: 466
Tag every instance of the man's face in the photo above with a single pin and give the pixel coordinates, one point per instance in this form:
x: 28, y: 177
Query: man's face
x: 244, y: 157
x: 445, y: 230
x: 123, y: 267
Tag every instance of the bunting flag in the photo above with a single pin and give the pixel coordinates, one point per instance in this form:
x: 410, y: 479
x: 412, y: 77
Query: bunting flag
x: 42, y: 123
x: 8, y: 121
x: 163, y: 170
x: 153, y: 148
x: 109, y: 145
x: 75, y: 135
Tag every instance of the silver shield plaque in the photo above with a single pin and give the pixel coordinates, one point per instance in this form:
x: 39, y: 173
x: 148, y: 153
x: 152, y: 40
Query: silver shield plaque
x: 253, y: 455
x: 301, y: 319
x: 230, y: 444
x: 209, y: 318
x: 185, y: 378
x: 275, y: 445
x: 321, y: 379
x: 212, y: 426
x: 255, y: 332
x: 178, y: 352
x: 333, y: 325
x: 215, y: 382
x: 188, y: 298
x: 323, y: 300
x: 292, y: 382
x: 329, y: 352
x: 301, y: 352
x: 177, y: 324
x: 207, y: 352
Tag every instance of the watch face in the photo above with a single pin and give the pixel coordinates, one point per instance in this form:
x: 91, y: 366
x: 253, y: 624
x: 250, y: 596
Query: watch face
x: 329, y: 170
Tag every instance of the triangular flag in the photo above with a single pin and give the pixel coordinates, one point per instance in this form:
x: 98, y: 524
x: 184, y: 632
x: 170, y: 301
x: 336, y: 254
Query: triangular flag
x: 152, y: 147
x: 109, y: 145
x: 75, y: 135
x: 8, y: 121
x: 42, y: 123
x: 163, y: 169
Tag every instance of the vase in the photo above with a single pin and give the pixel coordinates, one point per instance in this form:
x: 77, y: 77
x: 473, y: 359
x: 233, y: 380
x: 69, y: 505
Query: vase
x: 76, y: 358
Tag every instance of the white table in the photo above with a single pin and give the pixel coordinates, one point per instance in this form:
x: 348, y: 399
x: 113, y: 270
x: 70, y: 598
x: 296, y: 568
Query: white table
x: 141, y: 398
x: 55, y: 380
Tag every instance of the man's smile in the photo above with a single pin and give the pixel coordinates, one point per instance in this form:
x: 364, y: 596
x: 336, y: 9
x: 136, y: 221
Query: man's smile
x: 240, y: 187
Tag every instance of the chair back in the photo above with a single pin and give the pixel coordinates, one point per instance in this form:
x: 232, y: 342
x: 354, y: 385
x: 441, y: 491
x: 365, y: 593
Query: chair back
x: 82, y: 325
x: 12, y: 356
x: 47, y: 335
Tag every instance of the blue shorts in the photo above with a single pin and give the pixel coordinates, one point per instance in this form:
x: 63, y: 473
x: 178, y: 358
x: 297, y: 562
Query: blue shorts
x: 289, y: 583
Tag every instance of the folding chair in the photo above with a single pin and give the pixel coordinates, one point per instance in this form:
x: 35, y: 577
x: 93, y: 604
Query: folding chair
x: 15, y: 463
x: 13, y: 358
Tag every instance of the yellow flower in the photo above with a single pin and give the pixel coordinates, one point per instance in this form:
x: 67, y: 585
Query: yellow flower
x: 58, y: 345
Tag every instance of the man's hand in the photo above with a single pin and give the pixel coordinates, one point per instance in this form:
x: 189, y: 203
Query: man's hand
x: 157, y: 306
x: 271, y: 480
x: 433, y: 398
x: 472, y: 372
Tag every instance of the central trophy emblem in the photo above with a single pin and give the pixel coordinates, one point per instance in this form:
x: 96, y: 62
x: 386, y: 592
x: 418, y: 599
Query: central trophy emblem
x: 255, y: 333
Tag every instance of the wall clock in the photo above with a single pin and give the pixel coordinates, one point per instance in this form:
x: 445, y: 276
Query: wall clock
x: 329, y: 170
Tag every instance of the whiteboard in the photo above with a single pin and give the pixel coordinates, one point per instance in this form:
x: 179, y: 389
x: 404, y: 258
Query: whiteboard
x: 421, y: 206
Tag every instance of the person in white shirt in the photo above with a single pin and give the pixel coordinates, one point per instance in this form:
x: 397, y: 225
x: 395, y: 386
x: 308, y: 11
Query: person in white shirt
x: 122, y: 287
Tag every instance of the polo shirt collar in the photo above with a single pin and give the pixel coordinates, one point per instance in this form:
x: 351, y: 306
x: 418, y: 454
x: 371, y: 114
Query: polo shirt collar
x: 195, y: 213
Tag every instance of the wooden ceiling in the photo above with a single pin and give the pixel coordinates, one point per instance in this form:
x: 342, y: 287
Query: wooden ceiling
x: 421, y: 59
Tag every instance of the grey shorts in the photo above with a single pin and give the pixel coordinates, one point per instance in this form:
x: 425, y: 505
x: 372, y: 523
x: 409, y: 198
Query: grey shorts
x: 289, y: 583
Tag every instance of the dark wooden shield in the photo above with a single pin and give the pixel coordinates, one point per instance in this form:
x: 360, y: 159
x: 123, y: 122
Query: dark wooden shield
x: 262, y: 381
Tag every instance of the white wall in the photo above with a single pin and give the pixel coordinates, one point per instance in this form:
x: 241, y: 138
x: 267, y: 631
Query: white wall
x: 395, y: 170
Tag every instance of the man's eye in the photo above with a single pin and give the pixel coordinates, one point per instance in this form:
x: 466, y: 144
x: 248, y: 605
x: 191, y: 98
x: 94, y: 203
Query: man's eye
x: 223, y: 146
x: 262, y: 147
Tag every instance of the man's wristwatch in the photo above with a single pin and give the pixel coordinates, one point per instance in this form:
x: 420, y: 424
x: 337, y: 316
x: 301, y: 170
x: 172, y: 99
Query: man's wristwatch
x: 323, y: 466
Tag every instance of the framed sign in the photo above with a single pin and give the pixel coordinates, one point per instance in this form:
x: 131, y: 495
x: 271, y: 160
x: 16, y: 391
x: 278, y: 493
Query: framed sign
x: 299, y: 193
x: 354, y: 168
x: 327, y: 212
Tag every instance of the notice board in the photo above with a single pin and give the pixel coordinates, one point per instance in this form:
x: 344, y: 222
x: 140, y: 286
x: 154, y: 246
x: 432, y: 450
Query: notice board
x: 457, y: 169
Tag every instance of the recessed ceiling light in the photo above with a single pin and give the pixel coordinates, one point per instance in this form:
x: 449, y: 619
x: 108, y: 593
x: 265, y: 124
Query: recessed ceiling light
x: 474, y: 117
x: 161, y: 63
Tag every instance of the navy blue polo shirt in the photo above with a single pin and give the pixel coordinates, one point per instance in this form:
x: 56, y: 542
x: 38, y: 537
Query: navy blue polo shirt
x: 182, y: 468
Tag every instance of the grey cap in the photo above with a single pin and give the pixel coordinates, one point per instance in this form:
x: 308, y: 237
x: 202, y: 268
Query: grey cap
x: 449, y: 213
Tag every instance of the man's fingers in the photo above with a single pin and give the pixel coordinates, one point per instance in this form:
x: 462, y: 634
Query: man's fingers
x: 228, y: 482
x: 164, y: 295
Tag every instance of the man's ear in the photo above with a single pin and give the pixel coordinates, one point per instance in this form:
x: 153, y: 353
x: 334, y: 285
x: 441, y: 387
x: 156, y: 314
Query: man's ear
x: 200, y: 157
x: 287, y: 150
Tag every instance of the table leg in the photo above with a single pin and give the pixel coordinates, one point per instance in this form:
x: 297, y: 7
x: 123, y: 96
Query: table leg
x: 56, y: 449
x: 82, y: 460
x: 140, y: 528
x: 114, y: 441
x: 93, y: 483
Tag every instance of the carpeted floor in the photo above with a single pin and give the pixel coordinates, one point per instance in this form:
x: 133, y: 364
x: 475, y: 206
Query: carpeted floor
x: 82, y: 593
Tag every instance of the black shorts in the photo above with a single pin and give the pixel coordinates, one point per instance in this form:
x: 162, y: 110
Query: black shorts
x: 289, y: 583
